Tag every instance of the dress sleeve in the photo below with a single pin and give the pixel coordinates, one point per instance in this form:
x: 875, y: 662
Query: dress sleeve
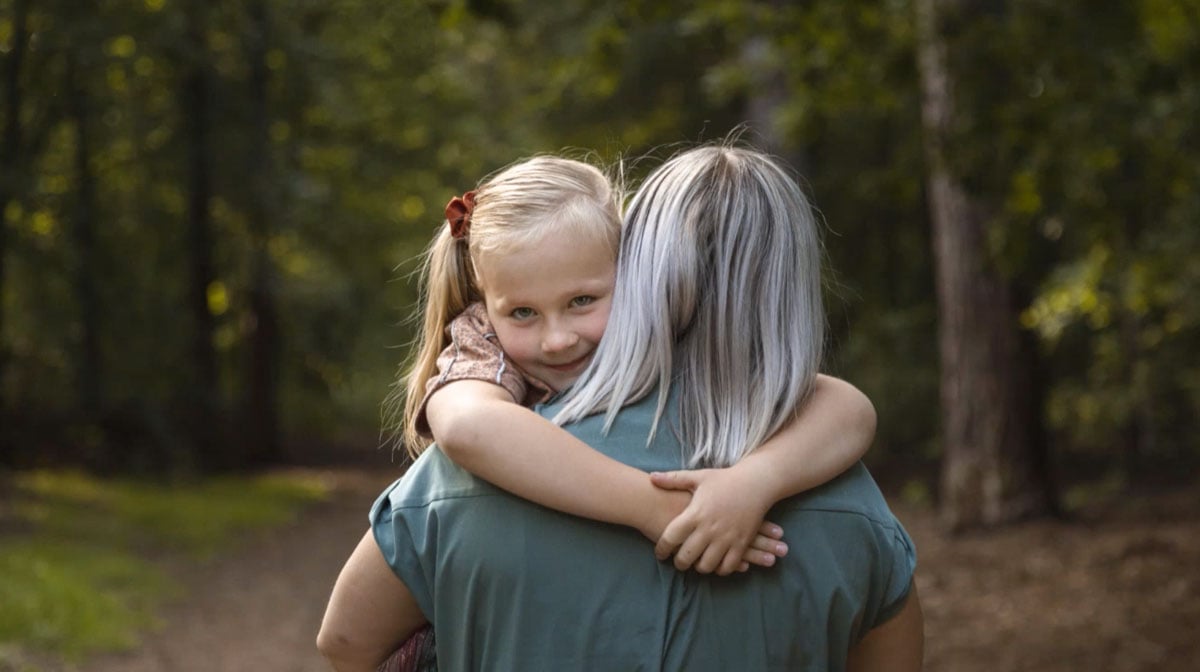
x: 473, y: 354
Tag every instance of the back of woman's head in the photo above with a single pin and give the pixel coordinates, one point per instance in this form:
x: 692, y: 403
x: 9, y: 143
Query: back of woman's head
x: 513, y: 208
x: 718, y: 293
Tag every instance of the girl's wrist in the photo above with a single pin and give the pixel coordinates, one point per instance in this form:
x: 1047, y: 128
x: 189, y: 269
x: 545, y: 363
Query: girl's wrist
x: 764, y: 480
x: 657, y: 511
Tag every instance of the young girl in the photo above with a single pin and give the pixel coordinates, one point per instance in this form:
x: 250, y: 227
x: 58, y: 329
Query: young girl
x: 518, y: 287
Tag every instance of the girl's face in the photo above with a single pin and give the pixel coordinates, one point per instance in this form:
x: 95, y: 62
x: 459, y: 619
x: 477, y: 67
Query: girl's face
x: 549, y: 305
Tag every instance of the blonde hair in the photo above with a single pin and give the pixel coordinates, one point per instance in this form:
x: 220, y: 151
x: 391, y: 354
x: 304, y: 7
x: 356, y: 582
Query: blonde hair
x: 718, y: 295
x: 515, y: 207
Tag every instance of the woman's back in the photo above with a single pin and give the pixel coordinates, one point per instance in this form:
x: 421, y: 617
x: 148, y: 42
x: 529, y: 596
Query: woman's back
x: 510, y: 585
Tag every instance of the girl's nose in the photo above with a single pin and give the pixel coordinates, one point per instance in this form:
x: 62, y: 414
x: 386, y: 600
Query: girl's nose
x: 558, y: 339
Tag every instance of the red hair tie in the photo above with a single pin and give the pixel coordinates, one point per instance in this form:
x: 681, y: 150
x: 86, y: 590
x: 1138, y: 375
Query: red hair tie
x: 458, y: 214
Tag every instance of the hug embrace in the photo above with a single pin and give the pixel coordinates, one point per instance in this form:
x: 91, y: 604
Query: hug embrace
x: 636, y: 462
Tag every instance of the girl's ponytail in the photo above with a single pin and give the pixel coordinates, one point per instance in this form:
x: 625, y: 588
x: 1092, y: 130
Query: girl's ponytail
x: 447, y: 287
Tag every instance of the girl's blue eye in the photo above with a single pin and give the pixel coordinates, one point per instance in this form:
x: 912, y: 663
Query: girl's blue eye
x: 522, y: 313
x: 581, y: 301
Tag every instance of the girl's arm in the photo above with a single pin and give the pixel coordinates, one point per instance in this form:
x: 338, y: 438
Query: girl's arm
x: 477, y: 425
x: 834, y: 429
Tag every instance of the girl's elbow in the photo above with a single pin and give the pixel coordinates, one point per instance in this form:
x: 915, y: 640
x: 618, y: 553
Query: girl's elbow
x: 455, y: 435
x: 862, y: 410
x: 868, y: 416
x: 864, y: 419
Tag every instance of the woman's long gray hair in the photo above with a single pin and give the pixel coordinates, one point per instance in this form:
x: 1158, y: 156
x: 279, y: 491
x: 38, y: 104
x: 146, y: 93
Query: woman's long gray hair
x: 718, y: 293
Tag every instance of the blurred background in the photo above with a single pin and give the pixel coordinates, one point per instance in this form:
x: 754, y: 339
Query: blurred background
x: 211, y: 211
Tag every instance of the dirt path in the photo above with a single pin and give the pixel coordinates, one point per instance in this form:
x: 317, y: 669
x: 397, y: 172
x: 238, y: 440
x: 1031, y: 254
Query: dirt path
x: 259, y: 607
x: 1117, y: 591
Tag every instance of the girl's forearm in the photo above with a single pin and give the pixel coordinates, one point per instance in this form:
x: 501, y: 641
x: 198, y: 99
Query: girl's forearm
x: 832, y: 432
x: 523, y: 453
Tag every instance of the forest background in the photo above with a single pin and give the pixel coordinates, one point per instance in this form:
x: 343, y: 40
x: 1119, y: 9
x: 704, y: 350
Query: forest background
x: 210, y: 211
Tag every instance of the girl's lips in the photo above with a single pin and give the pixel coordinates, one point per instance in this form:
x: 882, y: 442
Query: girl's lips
x: 570, y: 366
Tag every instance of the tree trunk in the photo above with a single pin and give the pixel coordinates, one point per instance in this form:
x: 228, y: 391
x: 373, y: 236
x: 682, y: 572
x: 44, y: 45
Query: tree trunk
x: 263, y: 365
x: 768, y: 93
x: 89, y: 372
x: 195, y: 110
x: 993, y: 463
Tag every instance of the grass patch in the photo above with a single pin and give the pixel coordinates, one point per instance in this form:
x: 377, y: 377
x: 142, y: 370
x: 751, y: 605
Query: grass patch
x: 69, y: 599
x: 75, y: 579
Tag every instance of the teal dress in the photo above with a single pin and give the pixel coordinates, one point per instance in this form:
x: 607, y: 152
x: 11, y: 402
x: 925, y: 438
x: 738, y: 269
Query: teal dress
x: 510, y: 585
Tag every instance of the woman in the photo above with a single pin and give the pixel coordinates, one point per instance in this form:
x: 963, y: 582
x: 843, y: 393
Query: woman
x: 712, y: 345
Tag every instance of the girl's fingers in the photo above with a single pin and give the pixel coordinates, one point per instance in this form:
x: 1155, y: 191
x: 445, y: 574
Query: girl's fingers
x: 731, y: 563
x: 674, y: 480
x: 759, y: 558
x: 672, y: 538
x: 769, y: 529
x: 710, y: 561
x: 684, y: 559
x: 769, y: 545
x: 691, y: 552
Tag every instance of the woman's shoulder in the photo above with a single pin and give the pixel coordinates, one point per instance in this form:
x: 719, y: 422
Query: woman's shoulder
x: 853, y: 492
x: 433, y: 478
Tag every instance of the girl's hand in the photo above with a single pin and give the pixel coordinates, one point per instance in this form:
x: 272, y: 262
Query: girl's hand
x: 722, y: 529
x: 654, y: 519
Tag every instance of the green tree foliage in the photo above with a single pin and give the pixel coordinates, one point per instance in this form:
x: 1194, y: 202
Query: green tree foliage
x: 1083, y: 125
x: 1077, y: 121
